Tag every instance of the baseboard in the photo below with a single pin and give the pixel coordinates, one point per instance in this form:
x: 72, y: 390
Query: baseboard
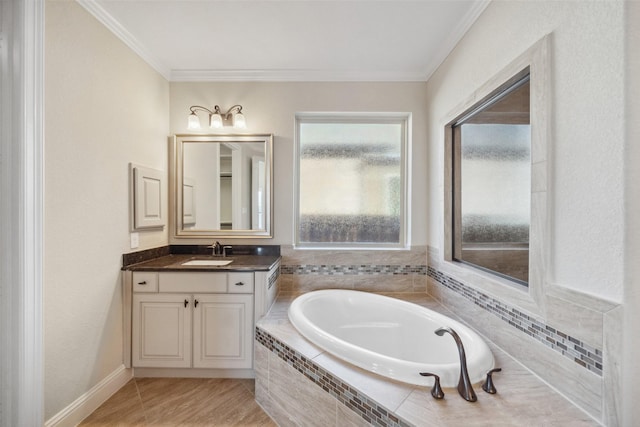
x: 84, y: 405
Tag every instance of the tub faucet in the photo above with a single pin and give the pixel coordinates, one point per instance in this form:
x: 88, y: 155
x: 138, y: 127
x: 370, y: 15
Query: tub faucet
x: 464, y: 384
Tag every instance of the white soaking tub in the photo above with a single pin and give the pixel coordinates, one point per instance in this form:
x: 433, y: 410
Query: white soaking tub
x: 388, y: 336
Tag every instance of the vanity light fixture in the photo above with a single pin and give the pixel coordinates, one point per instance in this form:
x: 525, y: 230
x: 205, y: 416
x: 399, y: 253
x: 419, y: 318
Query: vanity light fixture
x: 218, y: 119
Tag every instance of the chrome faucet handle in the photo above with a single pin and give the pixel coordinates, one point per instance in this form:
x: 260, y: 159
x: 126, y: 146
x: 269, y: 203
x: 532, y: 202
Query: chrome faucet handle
x: 488, y: 384
x: 217, y: 249
x: 436, y: 390
x: 224, y: 250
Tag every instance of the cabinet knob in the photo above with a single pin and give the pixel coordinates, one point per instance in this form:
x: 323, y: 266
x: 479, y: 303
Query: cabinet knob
x: 142, y: 283
x: 240, y: 284
x: 186, y: 302
x: 195, y: 303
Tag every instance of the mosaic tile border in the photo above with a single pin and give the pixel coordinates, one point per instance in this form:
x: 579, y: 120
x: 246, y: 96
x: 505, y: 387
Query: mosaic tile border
x: 581, y: 353
x: 355, y: 269
x: 372, y: 412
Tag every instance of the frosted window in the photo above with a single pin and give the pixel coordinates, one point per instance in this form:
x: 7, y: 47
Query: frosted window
x: 350, y: 182
x: 496, y: 178
x: 492, y: 184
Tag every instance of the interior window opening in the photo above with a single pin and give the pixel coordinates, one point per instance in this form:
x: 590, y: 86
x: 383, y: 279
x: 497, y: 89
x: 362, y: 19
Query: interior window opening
x: 491, y: 173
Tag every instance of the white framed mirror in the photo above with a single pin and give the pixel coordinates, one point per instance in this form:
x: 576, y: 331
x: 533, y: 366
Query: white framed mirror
x: 221, y: 186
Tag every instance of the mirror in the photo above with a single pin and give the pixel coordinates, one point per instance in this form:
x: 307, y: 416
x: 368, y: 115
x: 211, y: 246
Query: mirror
x: 221, y: 186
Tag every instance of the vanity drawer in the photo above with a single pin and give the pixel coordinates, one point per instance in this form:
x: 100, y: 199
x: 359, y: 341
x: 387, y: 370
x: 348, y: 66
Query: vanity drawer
x: 241, y: 283
x: 193, y: 282
x: 145, y: 281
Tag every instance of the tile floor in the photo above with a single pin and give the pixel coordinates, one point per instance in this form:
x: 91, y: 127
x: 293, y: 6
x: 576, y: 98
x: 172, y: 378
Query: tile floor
x: 181, y: 401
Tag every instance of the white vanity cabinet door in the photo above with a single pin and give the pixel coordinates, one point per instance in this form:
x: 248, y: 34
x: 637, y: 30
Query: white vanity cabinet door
x: 223, y: 331
x: 161, y: 330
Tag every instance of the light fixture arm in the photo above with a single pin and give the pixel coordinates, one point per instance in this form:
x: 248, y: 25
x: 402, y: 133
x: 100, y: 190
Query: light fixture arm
x: 194, y: 108
x: 217, y: 118
x: 236, y: 108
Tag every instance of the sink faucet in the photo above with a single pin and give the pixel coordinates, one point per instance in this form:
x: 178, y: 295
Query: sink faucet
x: 217, y: 249
x: 464, y: 384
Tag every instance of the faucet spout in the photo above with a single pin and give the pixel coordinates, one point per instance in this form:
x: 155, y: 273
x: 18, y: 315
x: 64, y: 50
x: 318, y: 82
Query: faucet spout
x: 216, y: 249
x: 464, y: 384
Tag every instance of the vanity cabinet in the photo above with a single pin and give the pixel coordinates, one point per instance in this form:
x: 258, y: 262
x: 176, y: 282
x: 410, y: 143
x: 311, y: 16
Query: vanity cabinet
x: 223, y: 331
x: 192, y: 320
x: 161, y: 333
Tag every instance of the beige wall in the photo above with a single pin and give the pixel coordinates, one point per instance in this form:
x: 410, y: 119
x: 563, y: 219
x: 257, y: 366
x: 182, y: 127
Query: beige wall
x: 586, y: 147
x: 104, y: 108
x: 271, y: 108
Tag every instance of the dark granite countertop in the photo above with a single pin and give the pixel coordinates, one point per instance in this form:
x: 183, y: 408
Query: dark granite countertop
x: 174, y: 262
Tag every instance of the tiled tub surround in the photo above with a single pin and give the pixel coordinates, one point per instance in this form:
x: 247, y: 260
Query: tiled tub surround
x: 372, y: 271
x: 358, y: 402
x: 299, y: 384
x: 573, y: 345
x: 576, y: 350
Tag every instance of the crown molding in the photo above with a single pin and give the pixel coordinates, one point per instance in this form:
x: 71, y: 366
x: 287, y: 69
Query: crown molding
x: 308, y: 75
x: 127, y: 38
x: 265, y: 75
x: 454, y: 37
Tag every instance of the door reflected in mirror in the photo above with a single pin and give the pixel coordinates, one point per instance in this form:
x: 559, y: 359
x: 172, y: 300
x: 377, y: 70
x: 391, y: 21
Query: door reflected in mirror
x: 222, y: 185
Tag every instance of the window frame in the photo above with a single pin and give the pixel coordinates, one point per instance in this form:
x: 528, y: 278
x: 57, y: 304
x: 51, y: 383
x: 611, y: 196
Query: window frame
x: 455, y: 129
x: 530, y: 298
x: 404, y: 119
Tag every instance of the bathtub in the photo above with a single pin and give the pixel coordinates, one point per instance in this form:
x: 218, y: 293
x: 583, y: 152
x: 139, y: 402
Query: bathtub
x: 390, y: 337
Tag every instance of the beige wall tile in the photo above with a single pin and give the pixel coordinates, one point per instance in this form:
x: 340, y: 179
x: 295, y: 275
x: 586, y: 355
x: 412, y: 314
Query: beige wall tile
x: 304, y: 402
x: 613, y: 373
x: 383, y: 390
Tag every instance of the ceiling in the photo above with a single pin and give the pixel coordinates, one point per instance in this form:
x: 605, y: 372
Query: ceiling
x: 290, y: 40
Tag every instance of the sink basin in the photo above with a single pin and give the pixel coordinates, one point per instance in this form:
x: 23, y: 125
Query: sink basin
x: 208, y: 262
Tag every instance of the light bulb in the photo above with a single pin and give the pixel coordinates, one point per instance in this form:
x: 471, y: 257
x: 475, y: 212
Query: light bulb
x: 239, y: 122
x: 194, y: 121
x: 215, y: 121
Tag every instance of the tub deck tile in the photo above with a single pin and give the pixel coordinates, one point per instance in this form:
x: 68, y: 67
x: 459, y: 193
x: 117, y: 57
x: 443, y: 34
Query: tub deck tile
x: 522, y: 398
x: 387, y: 392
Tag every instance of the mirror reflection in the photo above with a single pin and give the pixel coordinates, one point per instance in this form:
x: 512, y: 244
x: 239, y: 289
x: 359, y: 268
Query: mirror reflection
x: 223, y: 185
